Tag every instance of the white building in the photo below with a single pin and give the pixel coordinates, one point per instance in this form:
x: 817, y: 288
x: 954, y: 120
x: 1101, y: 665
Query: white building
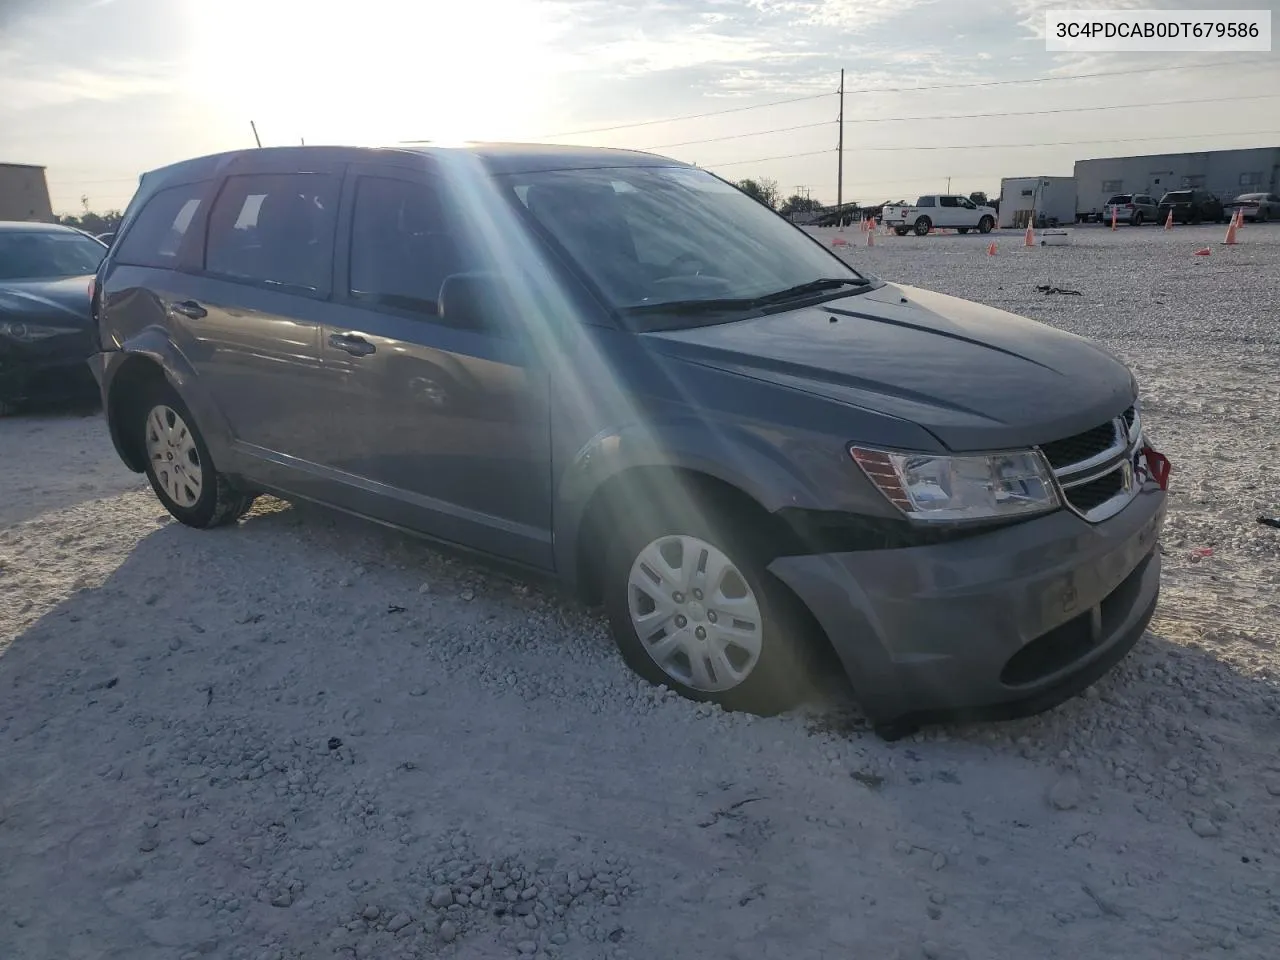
x: 1051, y: 198
x: 1227, y: 173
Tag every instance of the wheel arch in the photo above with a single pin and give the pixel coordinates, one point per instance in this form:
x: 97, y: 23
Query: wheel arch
x: 151, y: 357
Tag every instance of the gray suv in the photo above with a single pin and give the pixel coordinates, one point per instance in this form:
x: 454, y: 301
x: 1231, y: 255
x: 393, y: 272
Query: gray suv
x: 621, y: 370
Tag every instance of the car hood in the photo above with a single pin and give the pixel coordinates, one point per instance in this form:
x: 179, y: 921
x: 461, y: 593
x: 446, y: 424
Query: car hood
x: 976, y: 377
x: 62, y: 300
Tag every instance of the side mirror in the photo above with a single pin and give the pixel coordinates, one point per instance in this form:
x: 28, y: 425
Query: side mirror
x: 476, y: 301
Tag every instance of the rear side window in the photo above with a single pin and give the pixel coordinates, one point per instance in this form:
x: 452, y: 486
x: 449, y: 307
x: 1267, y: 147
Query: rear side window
x: 402, y: 246
x: 276, y: 229
x: 158, y: 231
x: 947, y: 202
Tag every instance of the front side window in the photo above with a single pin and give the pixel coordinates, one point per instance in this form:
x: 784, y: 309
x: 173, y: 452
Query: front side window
x: 403, y: 244
x: 155, y: 236
x: 648, y: 236
x: 47, y: 254
x: 274, y: 228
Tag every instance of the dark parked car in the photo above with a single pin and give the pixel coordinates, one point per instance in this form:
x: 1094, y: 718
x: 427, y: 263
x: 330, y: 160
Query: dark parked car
x: 620, y: 369
x: 1258, y: 207
x: 1191, y: 206
x: 45, y: 330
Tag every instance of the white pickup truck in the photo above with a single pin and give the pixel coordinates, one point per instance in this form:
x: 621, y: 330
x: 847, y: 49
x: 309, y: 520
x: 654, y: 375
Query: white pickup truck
x: 939, y: 210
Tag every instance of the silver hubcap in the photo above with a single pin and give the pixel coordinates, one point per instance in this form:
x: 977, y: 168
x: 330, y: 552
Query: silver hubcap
x: 174, y: 457
x: 694, y: 613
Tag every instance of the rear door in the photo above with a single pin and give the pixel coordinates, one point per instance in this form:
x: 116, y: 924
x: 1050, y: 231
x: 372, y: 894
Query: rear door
x: 950, y: 213
x: 256, y: 306
x: 442, y: 429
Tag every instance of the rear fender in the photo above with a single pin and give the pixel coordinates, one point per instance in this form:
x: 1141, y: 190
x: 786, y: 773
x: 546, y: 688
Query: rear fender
x: 154, y: 344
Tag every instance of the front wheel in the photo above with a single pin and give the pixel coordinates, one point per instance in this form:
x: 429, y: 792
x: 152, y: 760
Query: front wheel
x: 923, y: 225
x: 986, y: 225
x: 691, y: 606
x: 179, y: 466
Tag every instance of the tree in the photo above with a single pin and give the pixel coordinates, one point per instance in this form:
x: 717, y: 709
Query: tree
x: 764, y: 190
x: 798, y: 204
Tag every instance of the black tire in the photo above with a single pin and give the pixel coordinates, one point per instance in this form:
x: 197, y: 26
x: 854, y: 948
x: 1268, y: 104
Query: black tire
x: 962, y: 229
x: 986, y: 225
x: 901, y: 231
x: 219, y: 502
x: 1136, y: 219
x: 1260, y: 216
x: 783, y: 675
x: 922, y: 226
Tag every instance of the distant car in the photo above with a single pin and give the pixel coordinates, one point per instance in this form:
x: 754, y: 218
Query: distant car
x: 1131, y: 208
x: 1258, y: 207
x: 1191, y: 206
x: 46, y: 335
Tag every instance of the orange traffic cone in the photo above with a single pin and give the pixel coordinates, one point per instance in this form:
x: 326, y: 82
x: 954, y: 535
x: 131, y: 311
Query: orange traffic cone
x: 991, y: 249
x: 1168, y: 221
x: 1029, y: 240
x: 1113, y: 218
x: 1230, y: 238
x: 871, y: 238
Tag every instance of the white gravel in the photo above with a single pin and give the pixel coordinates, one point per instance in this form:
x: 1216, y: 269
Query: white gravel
x: 304, y: 737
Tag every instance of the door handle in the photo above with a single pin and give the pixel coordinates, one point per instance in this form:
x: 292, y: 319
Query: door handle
x: 189, y: 309
x: 354, y: 344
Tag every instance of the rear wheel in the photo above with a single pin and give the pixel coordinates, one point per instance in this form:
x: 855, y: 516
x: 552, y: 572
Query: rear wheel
x: 1260, y: 216
x: 923, y: 225
x: 901, y: 231
x: 179, y: 466
x: 1136, y: 221
x: 692, y: 606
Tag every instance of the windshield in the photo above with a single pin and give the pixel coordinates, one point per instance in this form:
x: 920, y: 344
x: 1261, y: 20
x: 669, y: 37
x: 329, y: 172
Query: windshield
x: 648, y: 236
x: 1123, y: 198
x: 47, y: 255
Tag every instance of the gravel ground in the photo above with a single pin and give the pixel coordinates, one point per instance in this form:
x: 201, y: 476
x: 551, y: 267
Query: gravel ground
x: 304, y: 737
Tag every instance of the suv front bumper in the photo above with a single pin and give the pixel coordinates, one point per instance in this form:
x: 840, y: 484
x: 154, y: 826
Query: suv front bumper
x: 1004, y: 624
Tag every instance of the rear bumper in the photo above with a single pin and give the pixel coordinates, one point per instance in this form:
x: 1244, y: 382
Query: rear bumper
x: 1006, y: 624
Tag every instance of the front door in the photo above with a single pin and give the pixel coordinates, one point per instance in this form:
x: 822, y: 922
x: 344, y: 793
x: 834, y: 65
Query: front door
x: 437, y: 428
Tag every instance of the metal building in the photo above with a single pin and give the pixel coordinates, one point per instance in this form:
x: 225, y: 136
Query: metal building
x: 1227, y: 173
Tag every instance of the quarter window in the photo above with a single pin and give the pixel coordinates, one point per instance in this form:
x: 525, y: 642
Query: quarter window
x: 276, y: 229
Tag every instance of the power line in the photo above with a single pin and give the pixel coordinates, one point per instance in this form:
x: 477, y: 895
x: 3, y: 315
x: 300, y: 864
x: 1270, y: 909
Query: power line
x: 936, y: 86
x: 1001, y: 146
x: 970, y: 116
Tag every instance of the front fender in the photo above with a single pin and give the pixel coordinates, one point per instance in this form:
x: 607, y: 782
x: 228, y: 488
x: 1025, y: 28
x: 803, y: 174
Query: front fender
x: 736, y: 454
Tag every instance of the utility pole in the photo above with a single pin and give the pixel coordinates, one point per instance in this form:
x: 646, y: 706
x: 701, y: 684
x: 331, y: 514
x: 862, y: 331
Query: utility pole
x: 948, y: 184
x: 840, y: 158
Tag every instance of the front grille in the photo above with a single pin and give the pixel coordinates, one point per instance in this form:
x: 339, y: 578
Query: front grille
x: 1083, y: 446
x: 1095, y: 468
x: 1091, y: 495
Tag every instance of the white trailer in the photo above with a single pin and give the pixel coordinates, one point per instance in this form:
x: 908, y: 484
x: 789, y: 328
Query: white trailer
x: 1051, y: 198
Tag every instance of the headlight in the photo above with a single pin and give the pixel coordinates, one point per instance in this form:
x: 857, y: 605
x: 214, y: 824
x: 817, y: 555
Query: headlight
x: 26, y: 332
x: 950, y: 489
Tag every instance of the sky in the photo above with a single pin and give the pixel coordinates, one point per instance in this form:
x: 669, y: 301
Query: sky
x: 99, y: 91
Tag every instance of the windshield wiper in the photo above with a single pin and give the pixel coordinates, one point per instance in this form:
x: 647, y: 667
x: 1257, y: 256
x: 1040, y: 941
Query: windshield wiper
x: 813, y: 286
x: 745, y: 303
